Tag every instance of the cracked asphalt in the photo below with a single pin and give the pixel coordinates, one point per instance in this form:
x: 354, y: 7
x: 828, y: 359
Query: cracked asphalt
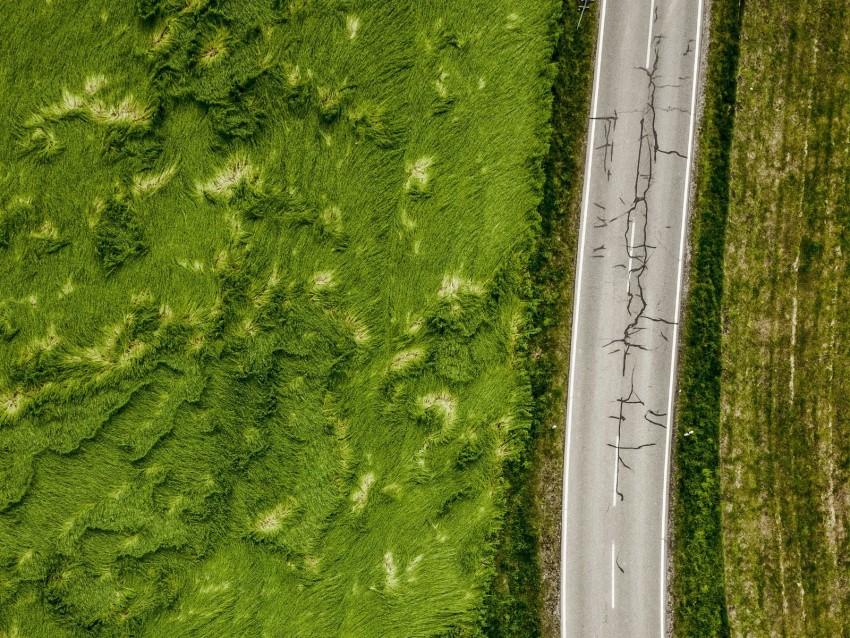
x: 626, y: 316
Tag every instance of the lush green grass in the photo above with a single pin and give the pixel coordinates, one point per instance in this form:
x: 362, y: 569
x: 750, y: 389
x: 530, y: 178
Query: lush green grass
x: 522, y: 604
x: 786, y: 344
x: 698, y: 585
x: 264, y: 311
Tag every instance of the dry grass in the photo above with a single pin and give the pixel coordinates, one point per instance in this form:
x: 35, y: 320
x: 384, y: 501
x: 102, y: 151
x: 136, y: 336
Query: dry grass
x: 785, y: 429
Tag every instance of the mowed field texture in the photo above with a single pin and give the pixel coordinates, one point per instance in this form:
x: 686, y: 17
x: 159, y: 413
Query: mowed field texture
x: 785, y: 424
x: 263, y: 311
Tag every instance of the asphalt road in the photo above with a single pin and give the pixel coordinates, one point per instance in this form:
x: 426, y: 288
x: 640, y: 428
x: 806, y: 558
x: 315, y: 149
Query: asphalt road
x: 626, y: 319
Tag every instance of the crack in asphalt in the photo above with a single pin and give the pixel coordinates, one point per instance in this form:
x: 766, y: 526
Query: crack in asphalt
x: 637, y: 258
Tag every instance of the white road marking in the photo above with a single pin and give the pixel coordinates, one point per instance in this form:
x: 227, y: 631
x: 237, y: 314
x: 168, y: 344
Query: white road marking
x: 585, y: 206
x: 613, y: 575
x: 631, y: 248
x: 685, y: 201
x: 649, y: 37
x: 616, y: 470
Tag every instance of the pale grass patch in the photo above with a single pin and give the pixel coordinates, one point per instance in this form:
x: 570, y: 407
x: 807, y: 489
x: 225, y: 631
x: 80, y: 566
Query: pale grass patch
x: 420, y: 456
x: 127, y: 111
x: 323, y: 279
x: 444, y: 401
x: 135, y: 350
x: 161, y: 37
x: 155, y: 472
x: 214, y: 588
x: 406, y: 220
x: 418, y: 173
x: 119, y: 491
x: 312, y: 564
x: 295, y: 77
x: 43, y: 142
x: 131, y: 541
x: 235, y: 171
x: 35, y: 120
x: 411, y: 568
x: 67, y: 288
x: 94, y: 83
x: 42, y: 345
x: 250, y: 328
x: 331, y: 219
x: 194, y: 5
x: 358, y: 328
x: 264, y: 296
x: 150, y: 183
x: 352, y: 24
x: 195, y: 265
x: 215, y: 48
x: 25, y: 557
x: 271, y: 522
x: 439, y: 535
x: 12, y: 403
x: 453, y: 284
x: 46, y: 231
x: 440, y: 82
x: 71, y: 102
x: 361, y: 495
x: 390, y: 568
x: 405, y: 358
x: 517, y: 321
x: 416, y: 325
x: 221, y: 260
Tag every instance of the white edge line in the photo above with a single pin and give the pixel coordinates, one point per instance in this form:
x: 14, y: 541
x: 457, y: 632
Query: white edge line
x: 686, y: 200
x: 616, y: 470
x: 583, y: 223
x: 613, y: 575
x: 631, y: 248
x: 649, y: 37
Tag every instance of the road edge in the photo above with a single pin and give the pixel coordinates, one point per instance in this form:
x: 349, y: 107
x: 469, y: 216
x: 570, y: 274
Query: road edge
x: 705, y: 45
x: 564, y: 169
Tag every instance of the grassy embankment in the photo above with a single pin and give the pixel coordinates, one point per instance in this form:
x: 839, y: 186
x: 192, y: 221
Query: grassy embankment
x: 697, y: 589
x: 786, y: 346
x: 524, y: 597
x: 263, y: 317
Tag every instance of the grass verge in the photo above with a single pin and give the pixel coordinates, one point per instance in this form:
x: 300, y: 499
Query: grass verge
x: 697, y: 587
x: 524, y: 596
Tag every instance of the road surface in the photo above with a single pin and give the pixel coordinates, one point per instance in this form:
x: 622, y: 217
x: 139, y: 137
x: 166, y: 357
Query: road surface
x: 626, y: 319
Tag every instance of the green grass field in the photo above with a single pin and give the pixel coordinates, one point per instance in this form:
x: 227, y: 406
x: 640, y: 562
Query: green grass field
x: 786, y: 345
x: 264, y: 311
